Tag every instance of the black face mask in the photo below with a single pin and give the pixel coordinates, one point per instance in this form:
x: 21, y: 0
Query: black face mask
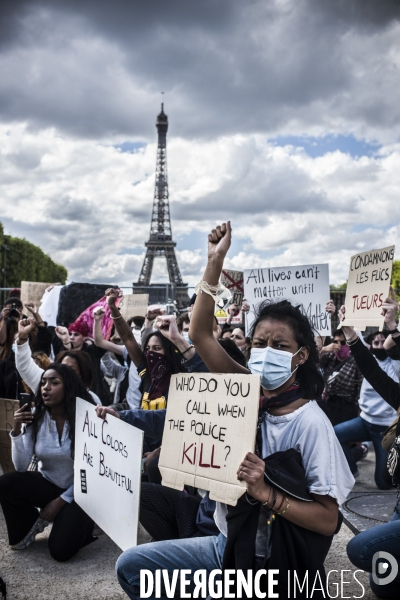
x: 379, y: 353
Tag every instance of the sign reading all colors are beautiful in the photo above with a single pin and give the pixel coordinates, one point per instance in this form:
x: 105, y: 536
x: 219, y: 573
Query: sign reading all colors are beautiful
x: 210, y: 426
x: 306, y: 285
x: 108, y: 464
x: 368, y: 287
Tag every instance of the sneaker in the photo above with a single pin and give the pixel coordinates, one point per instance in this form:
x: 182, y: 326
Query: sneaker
x: 37, y: 527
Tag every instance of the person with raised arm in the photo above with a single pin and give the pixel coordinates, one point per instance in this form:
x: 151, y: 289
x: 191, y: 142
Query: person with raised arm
x: 133, y: 394
x: 379, y: 395
x: 284, y: 353
x: 31, y: 372
x: 386, y: 537
x: 342, y: 377
x: 39, y: 341
x: 155, y: 363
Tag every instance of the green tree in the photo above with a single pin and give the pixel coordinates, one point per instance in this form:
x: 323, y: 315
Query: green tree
x: 396, y: 275
x: 23, y: 261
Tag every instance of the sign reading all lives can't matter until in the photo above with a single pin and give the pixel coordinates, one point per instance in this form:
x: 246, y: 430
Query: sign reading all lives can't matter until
x: 303, y: 285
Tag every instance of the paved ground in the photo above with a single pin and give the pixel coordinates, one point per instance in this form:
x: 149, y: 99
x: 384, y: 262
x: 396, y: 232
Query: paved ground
x: 32, y: 575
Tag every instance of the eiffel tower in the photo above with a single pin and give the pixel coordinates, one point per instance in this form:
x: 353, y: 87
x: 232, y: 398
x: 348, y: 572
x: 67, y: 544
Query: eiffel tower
x: 160, y: 242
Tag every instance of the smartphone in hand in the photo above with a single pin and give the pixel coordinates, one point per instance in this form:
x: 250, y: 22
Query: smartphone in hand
x: 25, y: 399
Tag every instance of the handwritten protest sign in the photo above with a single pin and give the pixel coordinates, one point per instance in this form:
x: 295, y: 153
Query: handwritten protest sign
x: 367, y: 287
x: 108, y: 459
x: 233, y: 280
x: 134, y: 305
x: 7, y: 410
x: 305, y: 285
x: 32, y: 291
x: 210, y: 425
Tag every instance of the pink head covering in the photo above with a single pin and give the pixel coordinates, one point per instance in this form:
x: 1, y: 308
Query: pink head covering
x: 79, y: 327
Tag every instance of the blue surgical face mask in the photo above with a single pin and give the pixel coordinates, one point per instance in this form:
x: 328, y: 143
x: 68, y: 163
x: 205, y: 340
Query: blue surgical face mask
x: 274, y: 366
x: 185, y: 334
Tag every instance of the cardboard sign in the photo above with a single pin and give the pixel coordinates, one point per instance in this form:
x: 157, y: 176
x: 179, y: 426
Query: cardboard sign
x: 134, y: 305
x: 233, y: 280
x: 368, y: 287
x: 7, y: 410
x: 210, y: 426
x: 108, y: 464
x: 32, y: 291
x: 305, y: 285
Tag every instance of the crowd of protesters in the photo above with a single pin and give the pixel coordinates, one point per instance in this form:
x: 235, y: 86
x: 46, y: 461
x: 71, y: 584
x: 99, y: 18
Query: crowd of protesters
x: 323, y: 402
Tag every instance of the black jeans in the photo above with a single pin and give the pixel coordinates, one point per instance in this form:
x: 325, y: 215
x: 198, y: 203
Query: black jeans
x: 168, y: 514
x: 21, y: 494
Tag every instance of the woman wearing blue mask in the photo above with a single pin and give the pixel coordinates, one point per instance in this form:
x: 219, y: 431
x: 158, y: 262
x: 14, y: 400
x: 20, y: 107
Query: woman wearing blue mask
x: 285, y: 355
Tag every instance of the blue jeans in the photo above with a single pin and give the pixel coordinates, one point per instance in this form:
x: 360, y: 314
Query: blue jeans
x: 359, y: 430
x: 363, y: 546
x: 190, y: 553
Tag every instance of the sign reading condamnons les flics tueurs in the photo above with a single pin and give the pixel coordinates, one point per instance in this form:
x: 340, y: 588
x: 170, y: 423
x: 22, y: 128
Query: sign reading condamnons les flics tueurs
x: 210, y: 426
x: 108, y: 461
x: 305, y: 285
x: 368, y: 287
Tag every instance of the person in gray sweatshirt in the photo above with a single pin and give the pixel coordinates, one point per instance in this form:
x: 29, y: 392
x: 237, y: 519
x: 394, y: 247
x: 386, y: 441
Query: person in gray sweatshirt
x: 48, y: 434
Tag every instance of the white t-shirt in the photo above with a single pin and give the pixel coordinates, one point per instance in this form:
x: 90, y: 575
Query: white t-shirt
x: 310, y: 432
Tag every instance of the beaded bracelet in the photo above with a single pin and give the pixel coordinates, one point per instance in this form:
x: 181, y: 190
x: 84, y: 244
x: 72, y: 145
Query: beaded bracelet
x: 287, y: 506
x: 351, y: 342
x: 115, y: 318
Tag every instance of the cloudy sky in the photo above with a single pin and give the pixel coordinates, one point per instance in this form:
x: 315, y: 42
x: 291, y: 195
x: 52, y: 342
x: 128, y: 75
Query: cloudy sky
x: 284, y: 118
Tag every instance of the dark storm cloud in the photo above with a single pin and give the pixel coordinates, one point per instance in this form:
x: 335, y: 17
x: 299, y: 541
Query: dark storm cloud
x: 96, y: 68
x: 72, y: 210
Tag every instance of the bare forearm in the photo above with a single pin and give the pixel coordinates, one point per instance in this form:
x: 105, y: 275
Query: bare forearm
x: 201, y: 328
x: 186, y: 349
x: 127, y: 337
x: 98, y: 334
x: 102, y: 343
x: 201, y: 323
x: 315, y: 516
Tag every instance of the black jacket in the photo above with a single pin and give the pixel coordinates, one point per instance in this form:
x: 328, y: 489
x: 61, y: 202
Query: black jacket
x: 380, y: 381
x: 293, y: 548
